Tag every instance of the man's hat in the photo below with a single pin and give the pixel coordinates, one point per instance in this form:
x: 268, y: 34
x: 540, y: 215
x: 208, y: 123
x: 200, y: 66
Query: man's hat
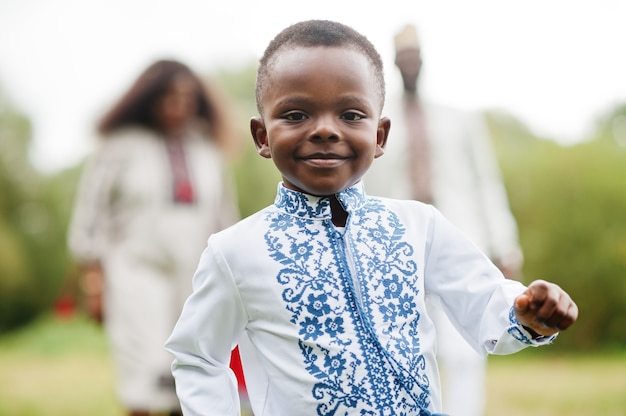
x: 406, y: 38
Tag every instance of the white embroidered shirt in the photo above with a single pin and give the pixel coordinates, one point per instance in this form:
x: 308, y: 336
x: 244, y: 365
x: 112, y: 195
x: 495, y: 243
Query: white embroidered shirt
x: 333, y: 322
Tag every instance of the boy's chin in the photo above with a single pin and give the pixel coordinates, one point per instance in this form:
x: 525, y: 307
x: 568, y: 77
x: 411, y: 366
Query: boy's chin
x: 319, y: 188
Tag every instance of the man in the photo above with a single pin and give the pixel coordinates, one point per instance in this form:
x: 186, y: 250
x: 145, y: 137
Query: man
x: 443, y: 157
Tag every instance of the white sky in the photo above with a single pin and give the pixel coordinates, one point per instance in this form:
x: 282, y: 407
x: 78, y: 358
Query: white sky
x: 555, y: 64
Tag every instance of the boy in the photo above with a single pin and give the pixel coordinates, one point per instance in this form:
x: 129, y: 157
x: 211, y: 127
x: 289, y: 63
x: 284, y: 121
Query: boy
x: 324, y: 290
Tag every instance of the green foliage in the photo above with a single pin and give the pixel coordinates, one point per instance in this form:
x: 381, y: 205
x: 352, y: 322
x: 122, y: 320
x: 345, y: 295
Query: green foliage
x: 256, y: 178
x: 240, y: 84
x: 570, y: 204
x: 16, y: 195
x: 32, y: 227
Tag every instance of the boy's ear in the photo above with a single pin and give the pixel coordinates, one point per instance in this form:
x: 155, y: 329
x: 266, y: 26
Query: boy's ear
x: 384, y: 125
x: 259, y: 135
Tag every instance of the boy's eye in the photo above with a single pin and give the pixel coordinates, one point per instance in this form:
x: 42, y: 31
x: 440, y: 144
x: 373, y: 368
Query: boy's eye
x: 295, y: 116
x: 352, y: 116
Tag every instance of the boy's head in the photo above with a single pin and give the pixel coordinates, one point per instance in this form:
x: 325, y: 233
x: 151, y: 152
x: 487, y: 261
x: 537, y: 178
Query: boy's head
x: 320, y: 92
x: 312, y: 33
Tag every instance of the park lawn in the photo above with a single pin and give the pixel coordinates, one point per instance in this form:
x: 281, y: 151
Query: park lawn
x: 57, y: 367
x: 533, y: 382
x: 61, y: 367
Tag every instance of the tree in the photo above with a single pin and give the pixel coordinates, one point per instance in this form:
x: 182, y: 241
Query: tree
x: 32, y: 229
x: 570, y: 204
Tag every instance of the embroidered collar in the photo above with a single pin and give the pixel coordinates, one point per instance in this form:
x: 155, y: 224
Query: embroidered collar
x: 316, y: 207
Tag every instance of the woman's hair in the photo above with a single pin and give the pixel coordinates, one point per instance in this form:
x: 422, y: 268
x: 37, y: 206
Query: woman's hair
x: 137, y: 106
x: 314, y: 33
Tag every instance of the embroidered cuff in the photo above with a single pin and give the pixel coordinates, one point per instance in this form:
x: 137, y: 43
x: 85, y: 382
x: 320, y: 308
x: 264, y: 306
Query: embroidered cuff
x: 520, y: 333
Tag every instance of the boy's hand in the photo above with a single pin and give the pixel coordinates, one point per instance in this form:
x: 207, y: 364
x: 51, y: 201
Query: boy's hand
x: 545, y: 308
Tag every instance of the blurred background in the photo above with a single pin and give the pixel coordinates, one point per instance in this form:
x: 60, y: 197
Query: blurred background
x: 549, y: 76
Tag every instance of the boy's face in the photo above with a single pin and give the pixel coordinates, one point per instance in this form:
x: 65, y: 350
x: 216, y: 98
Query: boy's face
x: 321, y: 119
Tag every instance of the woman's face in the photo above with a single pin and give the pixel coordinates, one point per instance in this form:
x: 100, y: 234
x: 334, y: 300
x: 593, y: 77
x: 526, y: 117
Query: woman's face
x: 178, y: 106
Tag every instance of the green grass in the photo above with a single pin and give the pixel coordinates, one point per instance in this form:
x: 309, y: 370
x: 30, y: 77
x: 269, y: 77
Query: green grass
x: 56, y: 367
x: 536, y: 383
x: 61, y: 367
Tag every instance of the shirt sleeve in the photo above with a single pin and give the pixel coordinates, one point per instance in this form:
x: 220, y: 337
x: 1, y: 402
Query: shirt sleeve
x: 475, y: 295
x: 210, y: 324
x: 88, y: 230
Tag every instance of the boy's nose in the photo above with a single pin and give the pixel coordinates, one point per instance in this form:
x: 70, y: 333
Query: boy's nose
x: 325, y: 128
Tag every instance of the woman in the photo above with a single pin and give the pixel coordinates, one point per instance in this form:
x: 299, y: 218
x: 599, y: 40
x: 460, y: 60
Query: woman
x: 150, y: 196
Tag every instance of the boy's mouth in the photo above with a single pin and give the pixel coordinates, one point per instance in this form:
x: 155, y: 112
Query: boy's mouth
x: 325, y: 159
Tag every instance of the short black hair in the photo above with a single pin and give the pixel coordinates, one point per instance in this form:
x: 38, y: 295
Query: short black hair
x: 313, y: 33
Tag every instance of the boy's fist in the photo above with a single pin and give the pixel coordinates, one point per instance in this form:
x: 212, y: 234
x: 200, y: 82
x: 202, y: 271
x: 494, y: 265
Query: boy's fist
x: 545, y: 308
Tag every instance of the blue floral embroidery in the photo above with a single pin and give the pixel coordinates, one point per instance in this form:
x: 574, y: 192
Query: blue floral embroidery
x: 282, y: 223
x: 317, y: 304
x: 301, y: 251
x: 334, y: 326
x: 393, y: 287
x: 357, y: 315
x: 516, y: 331
x: 311, y: 328
x: 335, y: 364
x: 407, y: 306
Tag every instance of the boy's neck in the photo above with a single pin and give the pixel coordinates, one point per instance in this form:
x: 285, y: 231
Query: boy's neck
x: 340, y: 215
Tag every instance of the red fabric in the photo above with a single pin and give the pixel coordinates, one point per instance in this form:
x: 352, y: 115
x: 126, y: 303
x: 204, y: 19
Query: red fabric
x: 183, y: 188
x: 235, y: 365
x: 64, y: 307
